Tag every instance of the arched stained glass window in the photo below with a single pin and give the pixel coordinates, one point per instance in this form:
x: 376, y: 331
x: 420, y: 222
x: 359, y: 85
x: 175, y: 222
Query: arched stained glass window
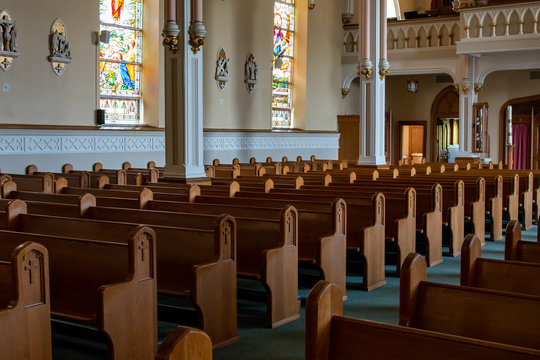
x: 121, y: 60
x: 282, y: 73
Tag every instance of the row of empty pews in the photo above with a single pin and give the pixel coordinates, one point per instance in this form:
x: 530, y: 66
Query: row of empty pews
x: 117, y: 238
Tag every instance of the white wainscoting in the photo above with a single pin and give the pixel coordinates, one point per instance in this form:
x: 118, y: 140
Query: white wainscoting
x: 226, y: 146
x: 50, y: 149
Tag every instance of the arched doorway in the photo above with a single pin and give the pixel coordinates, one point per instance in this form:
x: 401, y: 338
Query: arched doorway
x: 526, y: 129
x: 445, y: 124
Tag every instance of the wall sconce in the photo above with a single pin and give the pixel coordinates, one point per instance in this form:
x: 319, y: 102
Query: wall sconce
x: 311, y: 4
x: 412, y: 85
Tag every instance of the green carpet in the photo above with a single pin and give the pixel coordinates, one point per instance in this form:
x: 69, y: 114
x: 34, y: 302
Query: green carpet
x: 382, y: 304
x: 287, y: 342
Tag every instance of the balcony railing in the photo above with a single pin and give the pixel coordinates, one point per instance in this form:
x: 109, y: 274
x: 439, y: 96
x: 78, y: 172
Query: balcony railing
x: 433, y: 32
x: 501, y: 21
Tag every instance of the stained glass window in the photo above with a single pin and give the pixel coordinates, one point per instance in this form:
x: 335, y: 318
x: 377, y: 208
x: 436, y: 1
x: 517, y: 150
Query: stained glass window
x: 121, y: 60
x: 282, y: 73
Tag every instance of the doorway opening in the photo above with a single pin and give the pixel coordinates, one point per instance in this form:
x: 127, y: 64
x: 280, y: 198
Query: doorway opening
x: 412, y: 143
x: 445, y: 125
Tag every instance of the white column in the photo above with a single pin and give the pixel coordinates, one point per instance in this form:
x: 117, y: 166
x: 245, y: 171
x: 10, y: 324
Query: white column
x: 183, y: 106
x: 466, y: 100
x: 372, y: 87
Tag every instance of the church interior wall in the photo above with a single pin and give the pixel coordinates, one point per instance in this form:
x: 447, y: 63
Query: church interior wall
x: 500, y: 87
x: 36, y: 94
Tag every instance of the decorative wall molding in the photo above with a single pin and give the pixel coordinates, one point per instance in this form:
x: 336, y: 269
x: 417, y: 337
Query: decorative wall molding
x: 33, y: 142
x: 73, y: 142
x: 263, y: 141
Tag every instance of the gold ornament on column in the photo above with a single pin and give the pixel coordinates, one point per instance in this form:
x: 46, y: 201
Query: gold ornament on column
x: 171, y: 31
x: 345, y: 92
x: 197, y: 31
x: 477, y: 88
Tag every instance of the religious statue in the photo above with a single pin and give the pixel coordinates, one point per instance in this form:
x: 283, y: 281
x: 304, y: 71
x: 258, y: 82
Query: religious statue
x: 222, y: 69
x: 60, y: 48
x: 8, y: 35
x: 8, y: 40
x: 251, y: 73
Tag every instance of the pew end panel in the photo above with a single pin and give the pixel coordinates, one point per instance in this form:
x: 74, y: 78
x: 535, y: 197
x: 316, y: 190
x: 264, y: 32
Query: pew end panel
x: 433, y: 228
x: 140, y: 289
x: 324, y: 301
x: 25, y: 325
x: 413, y: 271
x: 217, y: 280
x: 185, y: 344
x: 373, y: 247
x: 282, y: 273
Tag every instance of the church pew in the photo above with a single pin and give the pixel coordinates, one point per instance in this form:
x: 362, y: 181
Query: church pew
x: 123, y: 176
x: 453, y: 203
x: 328, y: 268
x: 266, y: 247
x: 256, y: 182
x: 503, y: 275
x: 115, y: 176
x: 518, y: 191
x: 321, y: 231
x: 81, y: 179
x: 427, y: 210
x: 185, y: 344
x: 322, y: 179
x: 483, y: 314
x: 518, y: 250
x: 103, y: 284
x: 42, y: 183
x: 332, y: 336
x: 400, y: 215
x: 474, y: 198
x: 151, y: 174
x: 25, y: 309
x: 192, y: 262
x: 128, y: 199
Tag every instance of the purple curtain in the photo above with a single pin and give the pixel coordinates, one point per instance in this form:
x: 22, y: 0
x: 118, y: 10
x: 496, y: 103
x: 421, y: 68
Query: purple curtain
x: 522, y: 150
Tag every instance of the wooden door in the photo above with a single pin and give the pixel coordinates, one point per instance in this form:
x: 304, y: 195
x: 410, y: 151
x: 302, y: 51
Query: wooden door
x: 349, y: 141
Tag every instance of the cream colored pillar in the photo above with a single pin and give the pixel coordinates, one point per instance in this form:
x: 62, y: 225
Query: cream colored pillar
x: 184, y: 92
x: 373, y: 68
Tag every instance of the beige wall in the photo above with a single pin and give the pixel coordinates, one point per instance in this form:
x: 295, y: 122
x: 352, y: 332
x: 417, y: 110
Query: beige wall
x: 243, y: 26
x: 325, y: 36
x: 239, y: 27
x: 37, y: 95
x: 500, y: 87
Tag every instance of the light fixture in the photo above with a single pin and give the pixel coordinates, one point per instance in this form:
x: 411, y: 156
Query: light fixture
x: 311, y: 4
x: 412, y: 85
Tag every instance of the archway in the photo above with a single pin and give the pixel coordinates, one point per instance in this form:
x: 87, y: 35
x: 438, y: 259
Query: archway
x: 523, y: 111
x: 444, y: 123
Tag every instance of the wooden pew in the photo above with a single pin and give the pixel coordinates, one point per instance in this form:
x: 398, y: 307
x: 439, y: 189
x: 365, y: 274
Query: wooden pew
x: 321, y: 230
x: 41, y: 183
x: 81, y: 179
x: 266, y: 247
x: 518, y: 250
x: 331, y: 336
x: 196, y: 263
x: 25, y: 309
x: 482, y: 314
x: 503, y: 275
x: 400, y: 214
x: 107, y: 285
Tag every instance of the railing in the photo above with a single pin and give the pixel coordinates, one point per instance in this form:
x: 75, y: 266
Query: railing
x: 501, y: 21
x: 410, y: 34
